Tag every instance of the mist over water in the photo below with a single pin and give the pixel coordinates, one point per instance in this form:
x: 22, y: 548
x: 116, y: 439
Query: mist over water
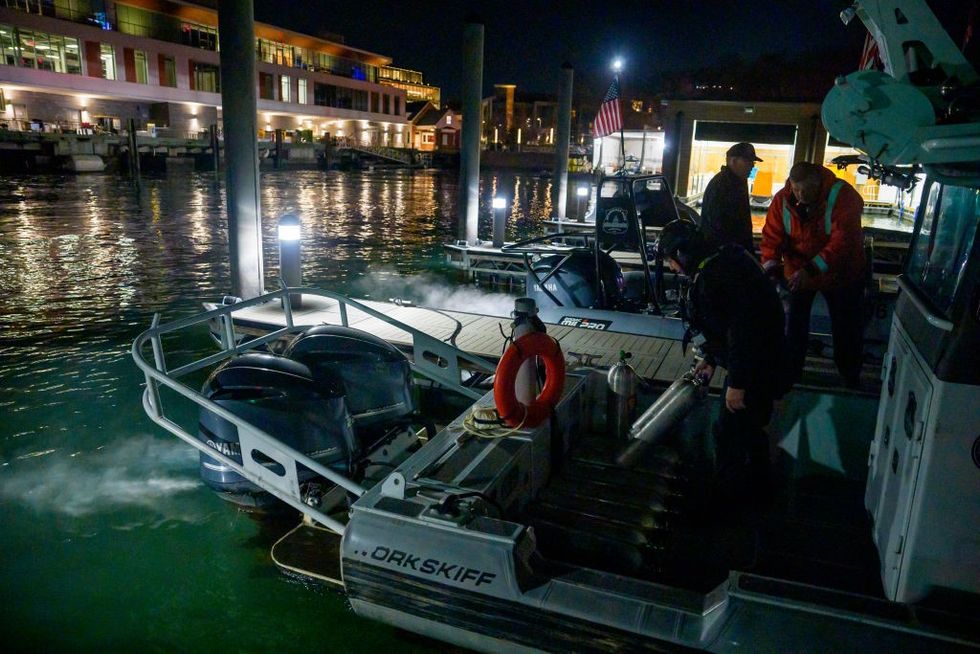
x: 139, y: 471
x: 433, y: 291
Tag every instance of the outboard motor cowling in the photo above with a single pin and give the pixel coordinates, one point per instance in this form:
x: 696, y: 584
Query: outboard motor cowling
x: 375, y: 375
x: 575, y: 283
x: 280, y: 397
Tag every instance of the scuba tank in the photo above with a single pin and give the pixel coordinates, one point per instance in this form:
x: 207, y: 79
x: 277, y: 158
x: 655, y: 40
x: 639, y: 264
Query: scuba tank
x: 526, y: 321
x: 621, y: 397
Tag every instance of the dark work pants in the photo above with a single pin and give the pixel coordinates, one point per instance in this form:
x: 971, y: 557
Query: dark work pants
x: 742, y: 445
x: 846, y: 322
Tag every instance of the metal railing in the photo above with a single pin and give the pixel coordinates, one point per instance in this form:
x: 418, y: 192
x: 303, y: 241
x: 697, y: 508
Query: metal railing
x: 433, y: 359
x: 393, y: 154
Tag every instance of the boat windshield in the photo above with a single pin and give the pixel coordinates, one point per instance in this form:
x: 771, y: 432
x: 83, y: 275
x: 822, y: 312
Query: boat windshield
x: 940, y: 250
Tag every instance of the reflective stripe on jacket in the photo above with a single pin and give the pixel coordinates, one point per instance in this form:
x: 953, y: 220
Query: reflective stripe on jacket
x: 828, y: 241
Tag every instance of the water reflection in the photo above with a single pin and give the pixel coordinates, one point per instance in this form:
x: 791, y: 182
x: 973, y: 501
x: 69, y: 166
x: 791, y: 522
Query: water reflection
x: 84, y: 258
x: 85, y: 261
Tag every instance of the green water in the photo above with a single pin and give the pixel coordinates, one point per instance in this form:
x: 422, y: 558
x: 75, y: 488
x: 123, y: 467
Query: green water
x: 108, y: 540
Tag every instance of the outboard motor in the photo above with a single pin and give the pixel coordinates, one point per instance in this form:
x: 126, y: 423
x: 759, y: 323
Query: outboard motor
x: 375, y: 376
x: 281, y: 398
x: 575, y: 283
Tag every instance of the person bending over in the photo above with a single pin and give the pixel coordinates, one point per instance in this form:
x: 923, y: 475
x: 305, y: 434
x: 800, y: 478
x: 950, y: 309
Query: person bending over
x: 812, y: 241
x: 733, y: 306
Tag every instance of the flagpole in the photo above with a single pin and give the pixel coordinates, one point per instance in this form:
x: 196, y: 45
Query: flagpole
x: 622, y: 139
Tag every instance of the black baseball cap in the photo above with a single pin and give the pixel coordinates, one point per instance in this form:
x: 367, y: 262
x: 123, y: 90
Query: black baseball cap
x: 743, y: 150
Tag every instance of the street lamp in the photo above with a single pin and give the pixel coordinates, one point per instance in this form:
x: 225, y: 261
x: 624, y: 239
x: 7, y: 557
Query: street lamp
x: 289, y: 255
x: 499, y: 216
x: 617, y: 66
x: 581, y: 192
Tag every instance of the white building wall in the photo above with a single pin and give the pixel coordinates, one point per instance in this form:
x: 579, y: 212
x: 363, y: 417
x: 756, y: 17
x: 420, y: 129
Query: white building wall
x: 75, y: 92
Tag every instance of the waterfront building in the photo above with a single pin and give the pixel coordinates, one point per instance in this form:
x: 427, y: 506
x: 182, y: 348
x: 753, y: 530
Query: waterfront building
x: 519, y: 122
x: 433, y: 128
x: 412, y: 82
x: 92, y: 65
x: 699, y: 132
x: 643, y: 147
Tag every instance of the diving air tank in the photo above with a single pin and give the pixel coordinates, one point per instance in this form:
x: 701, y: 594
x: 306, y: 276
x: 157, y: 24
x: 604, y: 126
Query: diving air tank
x: 526, y: 320
x: 621, y: 397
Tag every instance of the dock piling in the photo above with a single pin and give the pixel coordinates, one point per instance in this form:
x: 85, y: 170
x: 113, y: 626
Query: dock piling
x: 560, y: 190
x: 279, y: 152
x: 236, y: 23
x: 469, y: 161
x: 134, y: 152
x: 215, y: 146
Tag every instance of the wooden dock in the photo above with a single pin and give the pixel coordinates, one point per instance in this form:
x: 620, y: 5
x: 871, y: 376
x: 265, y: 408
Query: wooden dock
x: 656, y: 359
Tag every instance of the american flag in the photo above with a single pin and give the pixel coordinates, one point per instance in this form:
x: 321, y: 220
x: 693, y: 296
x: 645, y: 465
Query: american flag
x: 870, y: 56
x: 609, y: 119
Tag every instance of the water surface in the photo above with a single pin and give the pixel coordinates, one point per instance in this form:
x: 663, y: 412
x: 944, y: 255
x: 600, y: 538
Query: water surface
x: 109, y: 541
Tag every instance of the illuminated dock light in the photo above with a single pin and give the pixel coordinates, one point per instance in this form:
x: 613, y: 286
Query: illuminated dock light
x: 290, y: 269
x: 499, y: 220
x: 289, y: 228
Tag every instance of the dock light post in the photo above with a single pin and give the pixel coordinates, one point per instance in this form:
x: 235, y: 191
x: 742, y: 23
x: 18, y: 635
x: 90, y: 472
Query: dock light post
x: 499, y: 217
x: 289, y: 255
x: 580, y: 193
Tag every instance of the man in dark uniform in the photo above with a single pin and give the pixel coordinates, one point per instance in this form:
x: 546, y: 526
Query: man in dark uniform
x: 725, y: 213
x: 735, y: 308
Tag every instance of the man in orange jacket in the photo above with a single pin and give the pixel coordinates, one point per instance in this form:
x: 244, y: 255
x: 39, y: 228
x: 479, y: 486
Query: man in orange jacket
x: 812, y: 240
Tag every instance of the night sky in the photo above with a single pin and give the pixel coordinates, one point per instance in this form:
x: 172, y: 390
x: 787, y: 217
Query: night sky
x: 527, y: 41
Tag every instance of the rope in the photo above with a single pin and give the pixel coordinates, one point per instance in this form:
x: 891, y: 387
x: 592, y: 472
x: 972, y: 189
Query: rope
x: 485, y: 422
x: 508, y: 339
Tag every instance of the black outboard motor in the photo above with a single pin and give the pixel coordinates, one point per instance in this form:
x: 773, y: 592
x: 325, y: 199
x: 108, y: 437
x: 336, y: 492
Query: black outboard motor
x: 375, y: 375
x: 575, y: 283
x: 280, y: 397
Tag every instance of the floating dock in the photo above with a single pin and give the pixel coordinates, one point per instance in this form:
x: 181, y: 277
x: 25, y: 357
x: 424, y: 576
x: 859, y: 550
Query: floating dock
x: 483, y: 262
x: 659, y: 360
x: 656, y: 359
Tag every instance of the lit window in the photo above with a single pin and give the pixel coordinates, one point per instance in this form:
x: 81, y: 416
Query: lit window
x: 142, y: 67
x: 108, y: 57
x: 301, y: 91
x: 284, y: 88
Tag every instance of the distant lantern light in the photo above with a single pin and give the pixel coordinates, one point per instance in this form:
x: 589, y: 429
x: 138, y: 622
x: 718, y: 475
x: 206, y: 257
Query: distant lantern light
x: 499, y: 202
x: 617, y: 64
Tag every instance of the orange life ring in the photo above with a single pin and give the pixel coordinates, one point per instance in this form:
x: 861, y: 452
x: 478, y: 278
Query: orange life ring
x: 511, y: 410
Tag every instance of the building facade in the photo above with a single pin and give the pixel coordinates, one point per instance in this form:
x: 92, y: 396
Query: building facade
x: 699, y: 132
x: 412, y: 82
x: 434, y: 129
x: 510, y: 121
x: 93, y: 65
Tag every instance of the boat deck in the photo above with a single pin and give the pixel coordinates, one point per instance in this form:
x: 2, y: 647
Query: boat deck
x: 657, y: 359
